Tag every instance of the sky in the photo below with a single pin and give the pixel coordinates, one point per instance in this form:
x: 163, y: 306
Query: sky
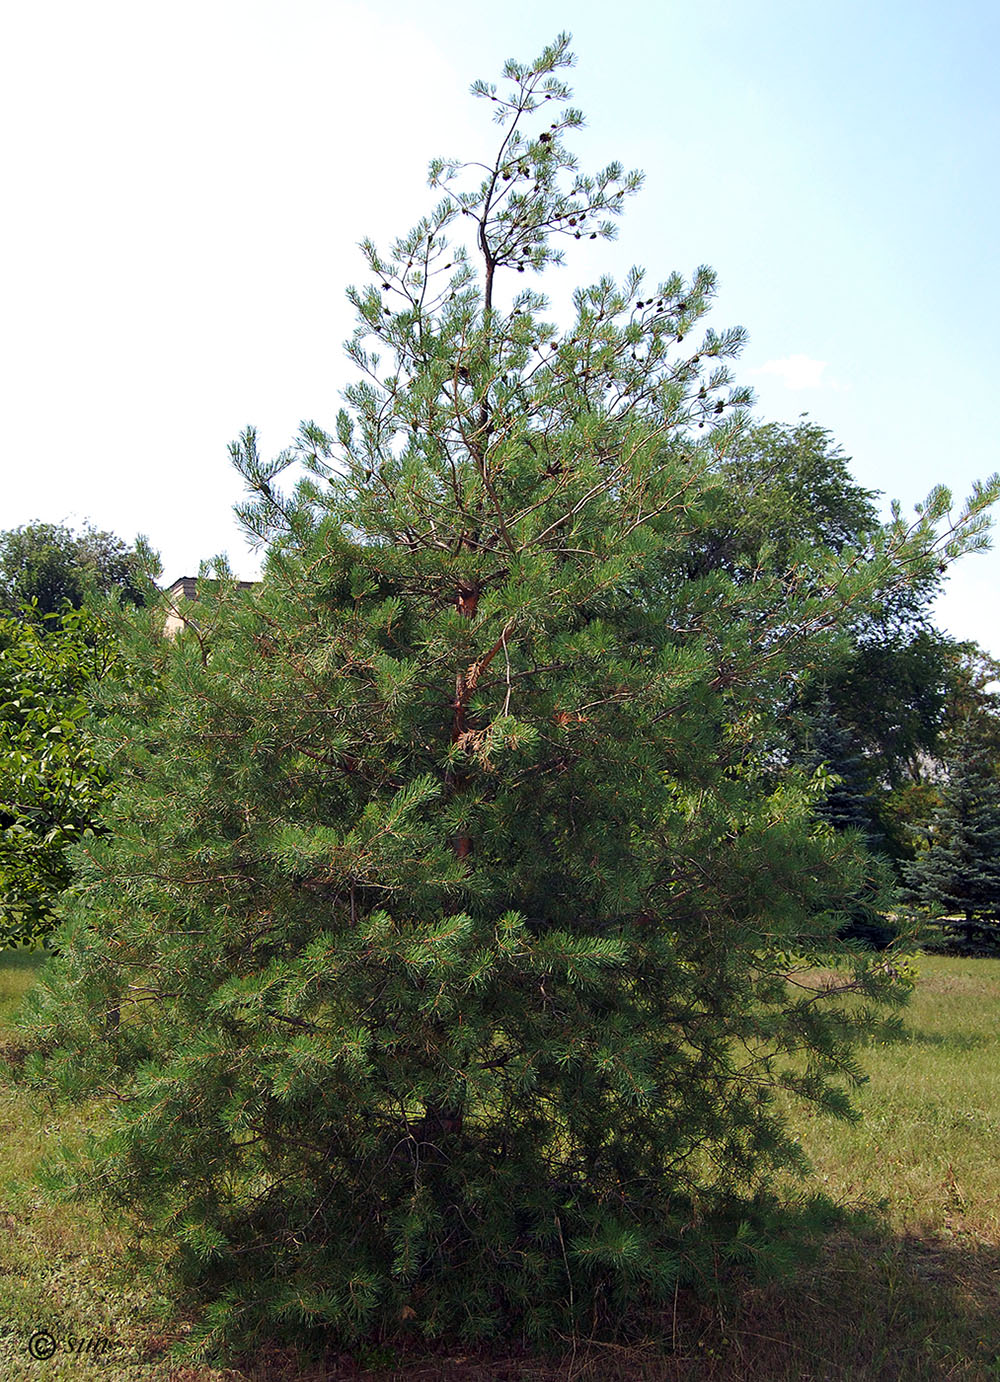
x: 185, y: 186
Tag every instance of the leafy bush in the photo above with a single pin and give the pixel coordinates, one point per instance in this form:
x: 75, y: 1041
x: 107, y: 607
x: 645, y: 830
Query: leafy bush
x: 51, y: 784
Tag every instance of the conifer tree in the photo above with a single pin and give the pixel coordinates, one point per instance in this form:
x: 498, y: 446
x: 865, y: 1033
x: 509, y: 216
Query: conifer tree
x: 452, y: 911
x: 846, y: 805
x: 957, y: 875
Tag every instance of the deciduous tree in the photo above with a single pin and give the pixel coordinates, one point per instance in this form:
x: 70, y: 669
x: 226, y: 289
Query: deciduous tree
x: 48, y: 567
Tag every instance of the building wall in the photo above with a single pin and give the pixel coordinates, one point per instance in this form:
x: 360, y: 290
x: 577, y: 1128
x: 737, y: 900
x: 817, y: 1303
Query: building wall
x: 184, y: 590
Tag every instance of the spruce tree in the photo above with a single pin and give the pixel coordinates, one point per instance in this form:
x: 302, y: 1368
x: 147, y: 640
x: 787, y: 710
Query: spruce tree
x: 957, y: 875
x: 846, y: 802
x: 450, y: 917
x: 847, y: 805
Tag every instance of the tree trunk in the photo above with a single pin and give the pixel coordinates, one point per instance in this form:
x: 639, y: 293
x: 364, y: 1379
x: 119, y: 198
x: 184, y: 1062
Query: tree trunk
x: 446, y: 1118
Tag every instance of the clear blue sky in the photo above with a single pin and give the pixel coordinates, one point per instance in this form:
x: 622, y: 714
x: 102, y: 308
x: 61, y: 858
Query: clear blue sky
x: 185, y: 185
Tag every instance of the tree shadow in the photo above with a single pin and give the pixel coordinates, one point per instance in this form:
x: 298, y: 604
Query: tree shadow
x: 955, y: 1041
x: 875, y: 1306
x: 23, y: 961
x: 868, y: 1306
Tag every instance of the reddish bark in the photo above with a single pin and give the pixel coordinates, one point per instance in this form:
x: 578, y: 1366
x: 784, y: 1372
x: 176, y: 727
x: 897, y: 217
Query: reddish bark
x: 467, y: 602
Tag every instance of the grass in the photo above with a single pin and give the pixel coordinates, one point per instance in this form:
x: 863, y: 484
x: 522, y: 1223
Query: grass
x: 913, y: 1291
x: 909, y: 1288
x: 928, y: 1140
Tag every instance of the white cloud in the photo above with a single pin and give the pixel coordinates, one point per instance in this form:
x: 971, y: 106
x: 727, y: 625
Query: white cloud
x: 797, y: 372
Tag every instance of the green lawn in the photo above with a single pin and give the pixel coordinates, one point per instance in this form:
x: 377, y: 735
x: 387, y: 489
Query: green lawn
x: 908, y: 1289
x: 929, y: 1142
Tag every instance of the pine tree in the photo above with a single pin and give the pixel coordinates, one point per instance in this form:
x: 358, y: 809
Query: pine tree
x: 449, y: 900
x: 957, y: 875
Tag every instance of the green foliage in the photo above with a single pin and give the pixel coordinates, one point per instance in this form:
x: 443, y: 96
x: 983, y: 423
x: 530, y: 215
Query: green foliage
x: 892, y: 695
x: 782, y: 486
x: 446, y: 947
x: 51, y: 784
x: 847, y: 805
x: 907, y: 704
x: 889, y: 692
x: 888, y: 681
x: 957, y: 874
x: 44, y: 566
x: 973, y: 702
